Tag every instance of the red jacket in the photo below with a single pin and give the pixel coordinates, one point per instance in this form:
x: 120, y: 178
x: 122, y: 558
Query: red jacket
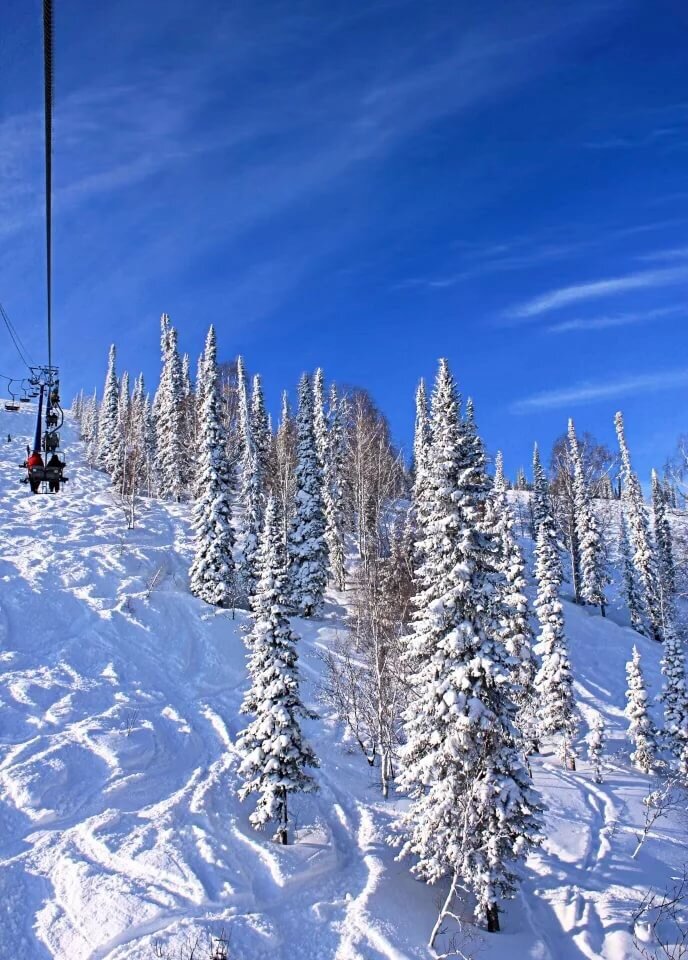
x: 35, y: 460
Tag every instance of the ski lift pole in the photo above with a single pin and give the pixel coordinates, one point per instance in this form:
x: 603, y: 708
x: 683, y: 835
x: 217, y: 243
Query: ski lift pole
x: 39, y: 423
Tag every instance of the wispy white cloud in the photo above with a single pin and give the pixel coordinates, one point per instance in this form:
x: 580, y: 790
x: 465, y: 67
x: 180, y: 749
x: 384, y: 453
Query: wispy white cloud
x: 587, y: 392
x: 608, y: 321
x: 668, y: 255
x: 596, y: 290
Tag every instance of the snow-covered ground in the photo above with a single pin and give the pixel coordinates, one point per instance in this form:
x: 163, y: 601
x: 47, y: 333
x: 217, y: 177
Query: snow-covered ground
x: 120, y: 826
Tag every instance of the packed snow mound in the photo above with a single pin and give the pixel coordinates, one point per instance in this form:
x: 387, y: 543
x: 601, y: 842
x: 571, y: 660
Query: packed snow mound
x: 121, y: 832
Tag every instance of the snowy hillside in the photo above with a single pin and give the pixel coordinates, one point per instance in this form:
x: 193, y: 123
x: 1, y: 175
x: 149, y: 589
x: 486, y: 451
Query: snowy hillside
x: 121, y: 833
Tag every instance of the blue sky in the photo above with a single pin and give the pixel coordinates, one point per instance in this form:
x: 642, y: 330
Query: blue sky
x: 366, y: 187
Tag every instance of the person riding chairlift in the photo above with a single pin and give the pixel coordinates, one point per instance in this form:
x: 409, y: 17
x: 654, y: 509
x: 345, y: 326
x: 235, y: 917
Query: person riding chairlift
x: 33, y: 460
x: 56, y: 464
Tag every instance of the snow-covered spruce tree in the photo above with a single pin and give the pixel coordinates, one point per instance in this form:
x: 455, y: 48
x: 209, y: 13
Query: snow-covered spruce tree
x: 521, y: 479
x: 334, y: 504
x: 640, y: 727
x: 639, y: 537
x: 91, y: 429
x: 284, y: 467
x: 169, y: 423
x: 596, y: 742
x: 631, y: 589
x: 307, y: 548
x: 554, y: 681
x: 473, y: 813
x: 121, y: 438
x: 674, y: 693
x: 421, y: 443
x: 212, y: 575
x: 261, y: 435
x: 663, y: 542
x: 330, y: 465
x: 107, y: 417
x: 252, y: 479
x: 593, y: 575
x: 276, y: 756
x: 510, y: 600
x: 540, y: 502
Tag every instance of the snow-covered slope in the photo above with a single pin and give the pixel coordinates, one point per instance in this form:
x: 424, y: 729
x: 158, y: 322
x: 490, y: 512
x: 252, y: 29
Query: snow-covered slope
x: 120, y: 826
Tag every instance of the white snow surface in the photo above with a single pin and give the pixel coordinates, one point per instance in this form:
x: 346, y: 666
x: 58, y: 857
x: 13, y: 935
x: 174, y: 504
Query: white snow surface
x: 120, y: 825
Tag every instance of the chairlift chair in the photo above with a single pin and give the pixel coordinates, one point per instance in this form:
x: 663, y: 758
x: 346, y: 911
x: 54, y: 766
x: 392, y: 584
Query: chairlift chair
x: 12, y: 404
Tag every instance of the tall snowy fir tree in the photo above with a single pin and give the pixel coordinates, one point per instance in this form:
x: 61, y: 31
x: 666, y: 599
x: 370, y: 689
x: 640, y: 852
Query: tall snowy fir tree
x: 212, y: 575
x: 631, y: 588
x: 663, y: 541
x: 510, y: 600
x: 334, y: 505
x: 107, y: 417
x: 325, y: 443
x: 639, y: 537
x: 421, y: 441
x: 540, y: 500
x: 261, y: 437
x: 554, y: 680
x: 473, y: 814
x: 307, y: 546
x: 641, y: 731
x: 91, y: 414
x: 284, y: 476
x: 593, y: 575
x: 121, y: 438
x: 168, y: 416
x: 276, y: 756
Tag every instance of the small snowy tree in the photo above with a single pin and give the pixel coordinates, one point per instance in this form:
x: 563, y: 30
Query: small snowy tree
x: 640, y: 728
x: 596, y: 742
x: 275, y: 755
x: 473, y: 813
x: 307, y: 547
x: 675, y: 691
x: 212, y: 574
x: 593, y: 576
x: 554, y: 680
x: 107, y: 417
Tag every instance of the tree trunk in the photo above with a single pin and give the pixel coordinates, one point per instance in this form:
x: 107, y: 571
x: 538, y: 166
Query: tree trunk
x: 492, y: 919
x: 283, y: 836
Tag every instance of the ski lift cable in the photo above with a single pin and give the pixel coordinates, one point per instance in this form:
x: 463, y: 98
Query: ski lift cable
x: 48, y: 76
x: 16, y: 339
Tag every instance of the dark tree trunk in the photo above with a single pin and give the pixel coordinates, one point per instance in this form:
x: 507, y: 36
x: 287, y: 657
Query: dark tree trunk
x: 493, y: 919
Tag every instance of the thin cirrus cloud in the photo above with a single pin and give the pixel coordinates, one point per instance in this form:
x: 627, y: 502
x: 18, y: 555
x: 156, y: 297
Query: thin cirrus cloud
x: 584, y: 393
x: 596, y: 290
x: 609, y: 321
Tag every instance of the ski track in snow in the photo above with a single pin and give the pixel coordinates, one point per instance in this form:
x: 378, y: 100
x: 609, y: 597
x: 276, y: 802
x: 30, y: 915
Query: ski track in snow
x: 119, y: 817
